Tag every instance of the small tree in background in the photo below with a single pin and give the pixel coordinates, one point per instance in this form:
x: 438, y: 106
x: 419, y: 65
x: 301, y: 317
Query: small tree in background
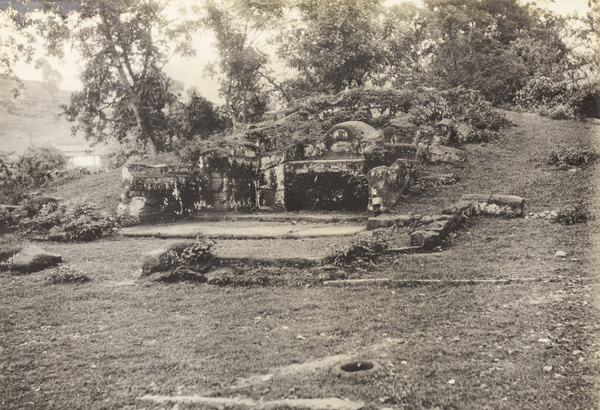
x: 37, y: 164
x: 124, y: 45
x: 196, y: 118
x: 238, y: 26
x: 334, y: 45
x: 34, y: 169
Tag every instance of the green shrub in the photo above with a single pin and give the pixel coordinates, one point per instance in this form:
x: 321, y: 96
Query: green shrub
x: 64, y: 275
x: 575, y: 214
x: 189, y: 264
x: 35, y: 169
x: 572, y: 157
x: 541, y: 91
x: 561, y: 112
x: 129, y: 220
x: 362, y: 250
x: 37, y: 165
x: 10, y: 219
x: 558, y: 99
x: 63, y: 176
x: 197, y: 257
x: 84, y: 223
x: 11, y: 191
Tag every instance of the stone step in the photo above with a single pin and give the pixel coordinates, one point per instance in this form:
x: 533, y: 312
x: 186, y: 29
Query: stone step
x: 303, y: 251
x: 244, y: 230
x: 330, y: 217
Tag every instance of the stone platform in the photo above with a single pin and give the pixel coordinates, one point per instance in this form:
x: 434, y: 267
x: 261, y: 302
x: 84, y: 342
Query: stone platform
x: 245, y: 230
x: 301, y: 239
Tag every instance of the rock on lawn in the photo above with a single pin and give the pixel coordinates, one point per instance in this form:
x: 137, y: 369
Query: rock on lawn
x: 33, y: 258
x: 154, y: 261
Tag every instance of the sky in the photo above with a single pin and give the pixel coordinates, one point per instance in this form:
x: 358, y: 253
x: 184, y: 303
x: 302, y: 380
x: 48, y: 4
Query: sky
x: 191, y: 71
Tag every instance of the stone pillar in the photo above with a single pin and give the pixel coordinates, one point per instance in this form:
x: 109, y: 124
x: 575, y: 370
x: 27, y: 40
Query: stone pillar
x: 387, y: 185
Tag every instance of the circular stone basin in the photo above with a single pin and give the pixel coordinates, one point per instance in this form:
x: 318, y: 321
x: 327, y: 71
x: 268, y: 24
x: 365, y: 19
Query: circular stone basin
x: 356, y: 369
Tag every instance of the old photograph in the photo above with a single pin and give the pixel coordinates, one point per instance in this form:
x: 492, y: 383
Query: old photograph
x: 299, y: 204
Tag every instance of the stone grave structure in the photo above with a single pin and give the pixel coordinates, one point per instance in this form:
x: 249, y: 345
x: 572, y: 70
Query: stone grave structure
x: 353, y: 168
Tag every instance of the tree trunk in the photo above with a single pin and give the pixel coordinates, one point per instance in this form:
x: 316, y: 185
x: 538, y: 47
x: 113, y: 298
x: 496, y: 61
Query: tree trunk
x: 244, y: 120
x: 134, y: 99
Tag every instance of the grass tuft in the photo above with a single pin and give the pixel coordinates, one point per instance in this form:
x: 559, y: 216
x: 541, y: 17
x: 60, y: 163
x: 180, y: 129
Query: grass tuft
x: 66, y: 275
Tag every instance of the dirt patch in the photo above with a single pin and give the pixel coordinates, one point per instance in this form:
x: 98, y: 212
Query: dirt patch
x: 300, y: 369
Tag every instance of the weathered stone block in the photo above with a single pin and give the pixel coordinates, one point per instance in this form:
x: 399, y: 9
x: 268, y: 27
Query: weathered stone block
x: 443, y: 227
x: 438, y: 154
x: 386, y: 220
x: 425, y: 219
x: 271, y: 160
x: 155, y: 261
x: 136, y: 205
x: 402, y: 151
x: 425, y: 239
x: 425, y: 133
x: 59, y: 237
x: 430, y: 181
x: 353, y: 130
x: 476, y: 198
x: 464, y: 132
x: 443, y: 218
x: 509, y: 205
x: 388, y: 154
x: 514, y: 203
x: 388, y: 184
x: 403, y: 220
x: 33, y: 258
x: 445, y: 132
x: 464, y: 208
x: 400, y: 130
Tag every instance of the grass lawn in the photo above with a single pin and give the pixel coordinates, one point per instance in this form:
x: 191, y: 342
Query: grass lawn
x: 527, y: 344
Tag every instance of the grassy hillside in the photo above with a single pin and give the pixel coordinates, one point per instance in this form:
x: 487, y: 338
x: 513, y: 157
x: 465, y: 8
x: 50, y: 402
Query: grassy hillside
x: 33, y: 117
x: 516, y: 164
x: 103, y: 190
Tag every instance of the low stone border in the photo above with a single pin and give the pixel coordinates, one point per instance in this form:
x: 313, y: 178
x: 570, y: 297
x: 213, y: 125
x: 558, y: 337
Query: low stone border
x: 259, y: 260
x: 429, y: 231
x: 332, y: 403
x: 421, y: 282
x: 432, y: 229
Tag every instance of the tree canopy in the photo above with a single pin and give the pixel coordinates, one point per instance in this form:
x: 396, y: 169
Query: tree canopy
x: 124, y: 45
x: 510, y: 51
x: 334, y: 45
x: 238, y: 26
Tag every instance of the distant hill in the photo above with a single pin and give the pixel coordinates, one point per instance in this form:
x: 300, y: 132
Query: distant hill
x: 33, y: 117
